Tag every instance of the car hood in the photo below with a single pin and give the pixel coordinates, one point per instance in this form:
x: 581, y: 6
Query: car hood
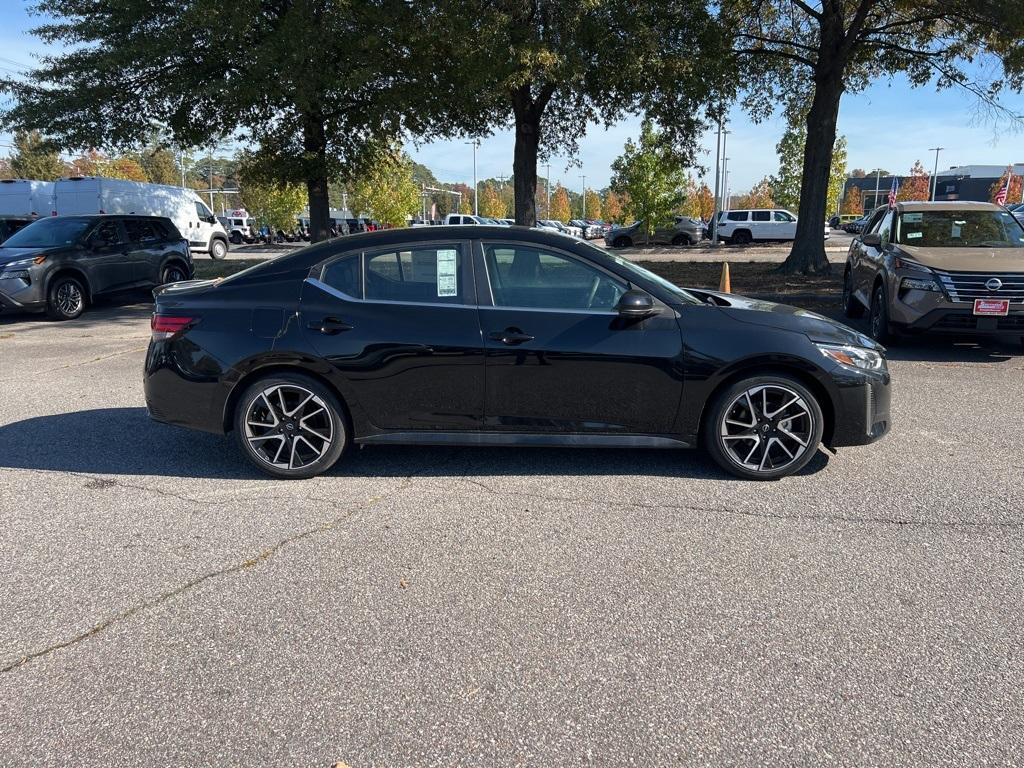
x: 767, y: 313
x: 7, y: 255
x: 968, y: 259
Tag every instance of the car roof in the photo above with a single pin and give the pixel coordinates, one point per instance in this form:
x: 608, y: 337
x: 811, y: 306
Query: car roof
x: 947, y: 205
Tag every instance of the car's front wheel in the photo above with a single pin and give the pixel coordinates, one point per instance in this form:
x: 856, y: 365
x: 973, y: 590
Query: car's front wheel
x: 764, y: 427
x: 878, y: 319
x: 621, y: 242
x: 291, y: 426
x: 218, y: 249
x: 65, y: 300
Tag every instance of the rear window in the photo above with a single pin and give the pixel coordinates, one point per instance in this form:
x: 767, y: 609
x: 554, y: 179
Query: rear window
x: 736, y: 216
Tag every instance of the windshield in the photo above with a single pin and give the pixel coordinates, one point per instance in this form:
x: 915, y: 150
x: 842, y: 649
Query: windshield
x: 674, y: 290
x: 960, y: 229
x: 49, y: 233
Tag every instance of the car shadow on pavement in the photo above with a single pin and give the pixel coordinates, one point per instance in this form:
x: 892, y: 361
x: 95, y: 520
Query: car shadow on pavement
x: 125, y: 441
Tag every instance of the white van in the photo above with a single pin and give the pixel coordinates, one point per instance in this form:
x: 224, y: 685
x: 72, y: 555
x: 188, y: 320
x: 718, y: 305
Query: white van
x: 26, y: 198
x: 93, y: 194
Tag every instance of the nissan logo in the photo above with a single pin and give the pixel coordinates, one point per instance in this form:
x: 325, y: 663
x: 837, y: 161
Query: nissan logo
x: 994, y: 284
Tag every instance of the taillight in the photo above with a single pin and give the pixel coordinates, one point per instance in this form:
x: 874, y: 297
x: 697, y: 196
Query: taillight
x: 165, y: 326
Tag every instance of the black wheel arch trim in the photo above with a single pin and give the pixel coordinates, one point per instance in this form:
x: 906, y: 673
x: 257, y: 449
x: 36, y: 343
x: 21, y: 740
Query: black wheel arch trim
x: 74, y: 272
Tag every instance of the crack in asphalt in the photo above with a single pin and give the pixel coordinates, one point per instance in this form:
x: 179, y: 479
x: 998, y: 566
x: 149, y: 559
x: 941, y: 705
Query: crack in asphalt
x: 764, y: 515
x: 250, y: 562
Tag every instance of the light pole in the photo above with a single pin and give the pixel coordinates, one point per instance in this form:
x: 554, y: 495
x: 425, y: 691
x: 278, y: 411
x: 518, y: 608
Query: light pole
x: 476, y: 202
x: 936, y: 150
x: 725, y: 183
x: 878, y: 175
x: 584, y: 197
x: 718, y: 169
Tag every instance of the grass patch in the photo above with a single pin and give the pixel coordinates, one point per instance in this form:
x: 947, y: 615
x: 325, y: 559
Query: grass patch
x: 208, y: 269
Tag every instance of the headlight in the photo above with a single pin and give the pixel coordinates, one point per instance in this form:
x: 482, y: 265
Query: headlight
x: 16, y: 274
x: 918, y: 284
x: 853, y: 357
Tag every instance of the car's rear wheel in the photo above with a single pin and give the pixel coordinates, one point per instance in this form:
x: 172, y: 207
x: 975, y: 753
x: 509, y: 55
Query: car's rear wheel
x: 878, y: 318
x: 764, y: 427
x: 851, y: 305
x: 741, y: 238
x: 66, y: 298
x: 621, y: 242
x: 173, y: 274
x: 680, y: 240
x: 291, y: 426
x: 218, y: 249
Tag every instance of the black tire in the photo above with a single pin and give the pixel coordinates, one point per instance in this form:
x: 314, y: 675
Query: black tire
x: 806, y: 423
x: 263, y: 441
x: 742, y: 237
x: 879, y: 327
x: 681, y: 240
x: 621, y: 242
x: 851, y: 304
x: 66, y: 298
x: 173, y: 273
x: 218, y: 249
x: 236, y: 238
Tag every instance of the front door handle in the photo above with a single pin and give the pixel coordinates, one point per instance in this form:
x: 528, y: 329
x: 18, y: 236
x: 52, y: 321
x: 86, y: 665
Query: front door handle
x: 329, y: 326
x: 511, y: 336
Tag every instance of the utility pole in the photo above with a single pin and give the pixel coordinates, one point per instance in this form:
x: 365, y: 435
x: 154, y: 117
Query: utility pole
x: 547, y: 180
x: 584, y: 197
x: 878, y: 175
x: 718, y: 169
x: 936, y: 150
x: 476, y: 202
x: 725, y: 184
x: 210, y: 166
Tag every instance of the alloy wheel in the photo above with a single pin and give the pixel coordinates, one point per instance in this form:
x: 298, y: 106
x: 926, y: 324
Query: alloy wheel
x: 288, y: 427
x: 69, y: 298
x: 767, y: 428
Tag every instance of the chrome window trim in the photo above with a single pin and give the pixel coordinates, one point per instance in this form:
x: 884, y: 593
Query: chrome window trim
x: 316, y: 283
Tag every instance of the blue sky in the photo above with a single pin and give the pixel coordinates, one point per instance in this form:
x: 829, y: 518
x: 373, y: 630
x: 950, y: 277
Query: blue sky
x: 890, y: 125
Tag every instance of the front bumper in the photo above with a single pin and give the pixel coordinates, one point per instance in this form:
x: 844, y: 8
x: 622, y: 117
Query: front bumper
x: 963, y: 322
x: 862, y: 406
x: 18, y: 296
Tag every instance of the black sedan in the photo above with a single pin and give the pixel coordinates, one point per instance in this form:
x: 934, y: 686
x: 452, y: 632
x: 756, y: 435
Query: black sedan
x: 501, y: 336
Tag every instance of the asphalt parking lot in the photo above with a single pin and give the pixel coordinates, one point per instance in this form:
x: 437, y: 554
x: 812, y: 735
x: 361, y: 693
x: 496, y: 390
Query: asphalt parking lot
x: 162, y: 604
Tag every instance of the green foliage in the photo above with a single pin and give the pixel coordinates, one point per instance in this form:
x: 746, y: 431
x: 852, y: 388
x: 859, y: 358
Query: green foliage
x: 160, y: 165
x: 277, y: 205
x: 650, y: 174
x: 837, y: 176
x: 787, y: 182
x: 385, y: 186
x: 35, y: 158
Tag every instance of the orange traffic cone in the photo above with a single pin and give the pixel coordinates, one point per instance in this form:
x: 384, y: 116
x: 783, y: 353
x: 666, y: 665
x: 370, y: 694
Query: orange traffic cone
x: 725, y: 284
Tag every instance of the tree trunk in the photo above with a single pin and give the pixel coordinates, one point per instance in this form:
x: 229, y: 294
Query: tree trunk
x: 314, y: 141
x: 524, y: 166
x: 808, y: 253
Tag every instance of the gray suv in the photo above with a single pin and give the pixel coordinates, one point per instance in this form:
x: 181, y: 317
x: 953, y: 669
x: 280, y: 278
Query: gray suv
x: 61, y: 264
x: 953, y: 268
x: 683, y: 231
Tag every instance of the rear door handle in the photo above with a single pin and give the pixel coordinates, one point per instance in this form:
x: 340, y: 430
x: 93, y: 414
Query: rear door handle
x: 329, y: 326
x: 511, y: 336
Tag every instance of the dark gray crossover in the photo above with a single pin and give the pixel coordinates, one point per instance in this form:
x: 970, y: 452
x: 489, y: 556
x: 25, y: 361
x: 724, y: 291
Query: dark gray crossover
x: 61, y: 264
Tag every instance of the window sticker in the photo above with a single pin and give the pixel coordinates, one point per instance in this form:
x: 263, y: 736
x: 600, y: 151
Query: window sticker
x: 446, y: 283
x: 912, y: 217
x: 913, y: 235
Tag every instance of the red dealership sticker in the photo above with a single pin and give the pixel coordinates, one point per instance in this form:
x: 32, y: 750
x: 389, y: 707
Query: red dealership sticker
x: 998, y: 307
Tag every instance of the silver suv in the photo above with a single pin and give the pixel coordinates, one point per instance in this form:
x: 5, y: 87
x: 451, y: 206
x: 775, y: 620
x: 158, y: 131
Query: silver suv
x: 682, y: 231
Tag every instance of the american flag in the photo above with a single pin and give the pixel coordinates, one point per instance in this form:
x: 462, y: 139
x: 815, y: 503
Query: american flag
x: 893, y: 190
x: 1004, y: 191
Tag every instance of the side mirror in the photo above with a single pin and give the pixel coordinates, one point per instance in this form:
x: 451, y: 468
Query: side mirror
x: 872, y: 240
x: 635, y: 303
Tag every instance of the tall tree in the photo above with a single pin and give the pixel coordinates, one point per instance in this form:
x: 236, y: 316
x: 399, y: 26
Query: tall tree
x: 613, y: 207
x: 853, y: 202
x: 303, y: 79
x: 547, y: 68
x: 385, y: 186
x: 561, y: 210
x: 706, y: 202
x: 35, y: 158
x: 810, y: 52
x: 649, y: 173
x: 593, y: 204
x: 491, y: 203
x: 789, y: 179
x: 916, y: 186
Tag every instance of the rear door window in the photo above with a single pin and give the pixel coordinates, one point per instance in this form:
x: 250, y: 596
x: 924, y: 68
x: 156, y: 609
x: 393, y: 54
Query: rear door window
x: 760, y: 216
x: 736, y: 216
x: 141, y: 231
x: 422, y: 275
